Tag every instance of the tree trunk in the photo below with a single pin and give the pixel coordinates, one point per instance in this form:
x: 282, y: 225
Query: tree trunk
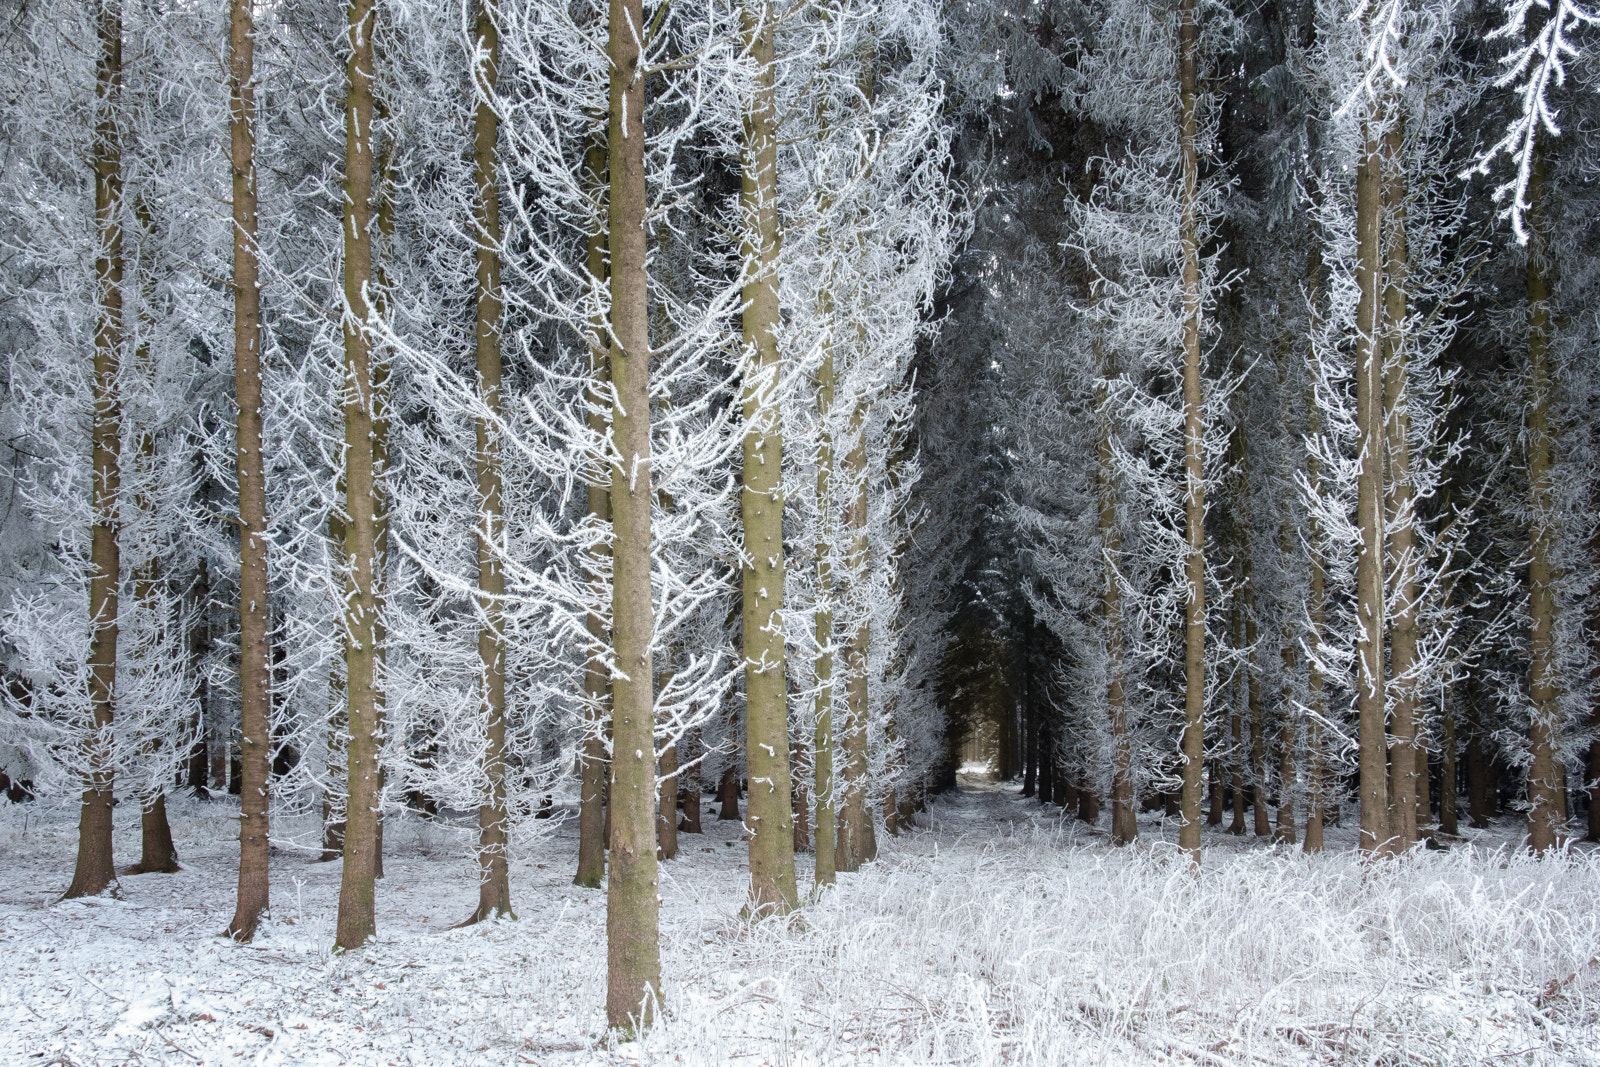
x: 1288, y: 741
x: 799, y: 768
x: 1543, y: 692
x: 822, y: 751
x: 1400, y: 524
x: 1124, y: 820
x: 1258, y: 723
x: 667, y: 806
x: 689, y: 790
x: 356, y: 921
x: 1480, y: 766
x: 494, y: 882
x: 1088, y: 805
x: 1448, y: 817
x: 856, y: 843
x: 94, y: 871
x: 1194, y: 504
x: 1372, y: 740
x: 593, y: 770
x: 728, y: 795
x: 1218, y: 800
x: 770, y: 805
x: 633, y: 949
x: 199, y: 645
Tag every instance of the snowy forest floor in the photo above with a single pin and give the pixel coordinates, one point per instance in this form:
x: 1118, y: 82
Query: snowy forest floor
x: 997, y: 932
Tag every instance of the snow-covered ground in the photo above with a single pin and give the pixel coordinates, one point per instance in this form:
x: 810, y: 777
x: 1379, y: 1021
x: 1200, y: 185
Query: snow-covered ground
x: 996, y: 933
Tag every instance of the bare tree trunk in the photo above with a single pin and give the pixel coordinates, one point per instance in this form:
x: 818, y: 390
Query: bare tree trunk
x: 1124, y: 820
x: 1218, y: 800
x: 1448, y: 815
x: 800, y: 768
x: 494, y: 881
x: 1480, y: 766
x: 822, y: 751
x: 667, y: 806
x: 1258, y: 724
x: 1400, y: 524
x: 1288, y: 743
x: 856, y: 843
x: 1543, y: 684
x: 593, y: 770
x: 633, y: 949
x: 690, y: 790
x: 770, y: 805
x: 356, y: 921
x: 1372, y: 738
x: 1194, y: 607
x: 728, y: 795
x: 157, y: 855
x: 94, y: 871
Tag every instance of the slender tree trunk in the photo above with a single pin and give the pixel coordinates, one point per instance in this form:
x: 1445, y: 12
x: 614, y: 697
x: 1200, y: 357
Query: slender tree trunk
x: 856, y: 842
x: 1258, y: 724
x: 593, y: 769
x: 728, y: 795
x: 1371, y: 733
x: 356, y: 922
x: 1030, y: 764
x: 494, y: 882
x: 1480, y: 766
x: 94, y: 871
x: 667, y: 807
x: 690, y: 790
x: 633, y: 949
x: 1400, y: 524
x: 1124, y: 820
x: 199, y: 645
x: 1194, y: 504
x: 1543, y: 685
x: 800, y: 768
x: 1448, y: 817
x: 1288, y: 746
x: 157, y: 854
x: 1315, y: 772
x: 770, y: 805
x: 822, y: 751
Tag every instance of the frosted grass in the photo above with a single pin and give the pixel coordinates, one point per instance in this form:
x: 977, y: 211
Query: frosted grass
x: 994, y: 935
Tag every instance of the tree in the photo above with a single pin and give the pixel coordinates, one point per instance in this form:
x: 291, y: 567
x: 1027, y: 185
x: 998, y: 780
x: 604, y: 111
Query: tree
x: 254, y: 695
x: 363, y: 682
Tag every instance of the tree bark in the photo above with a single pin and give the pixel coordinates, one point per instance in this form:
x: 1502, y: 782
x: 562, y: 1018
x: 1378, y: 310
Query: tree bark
x: 1400, y: 521
x: 356, y: 922
x: 1372, y: 740
x: 667, y: 808
x: 822, y: 751
x: 1194, y: 505
x: 94, y: 871
x: 494, y: 882
x: 856, y: 842
x: 1124, y: 820
x: 1543, y: 683
x: 633, y: 950
x: 593, y: 768
x: 728, y: 795
x: 1448, y: 796
x: 770, y: 804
